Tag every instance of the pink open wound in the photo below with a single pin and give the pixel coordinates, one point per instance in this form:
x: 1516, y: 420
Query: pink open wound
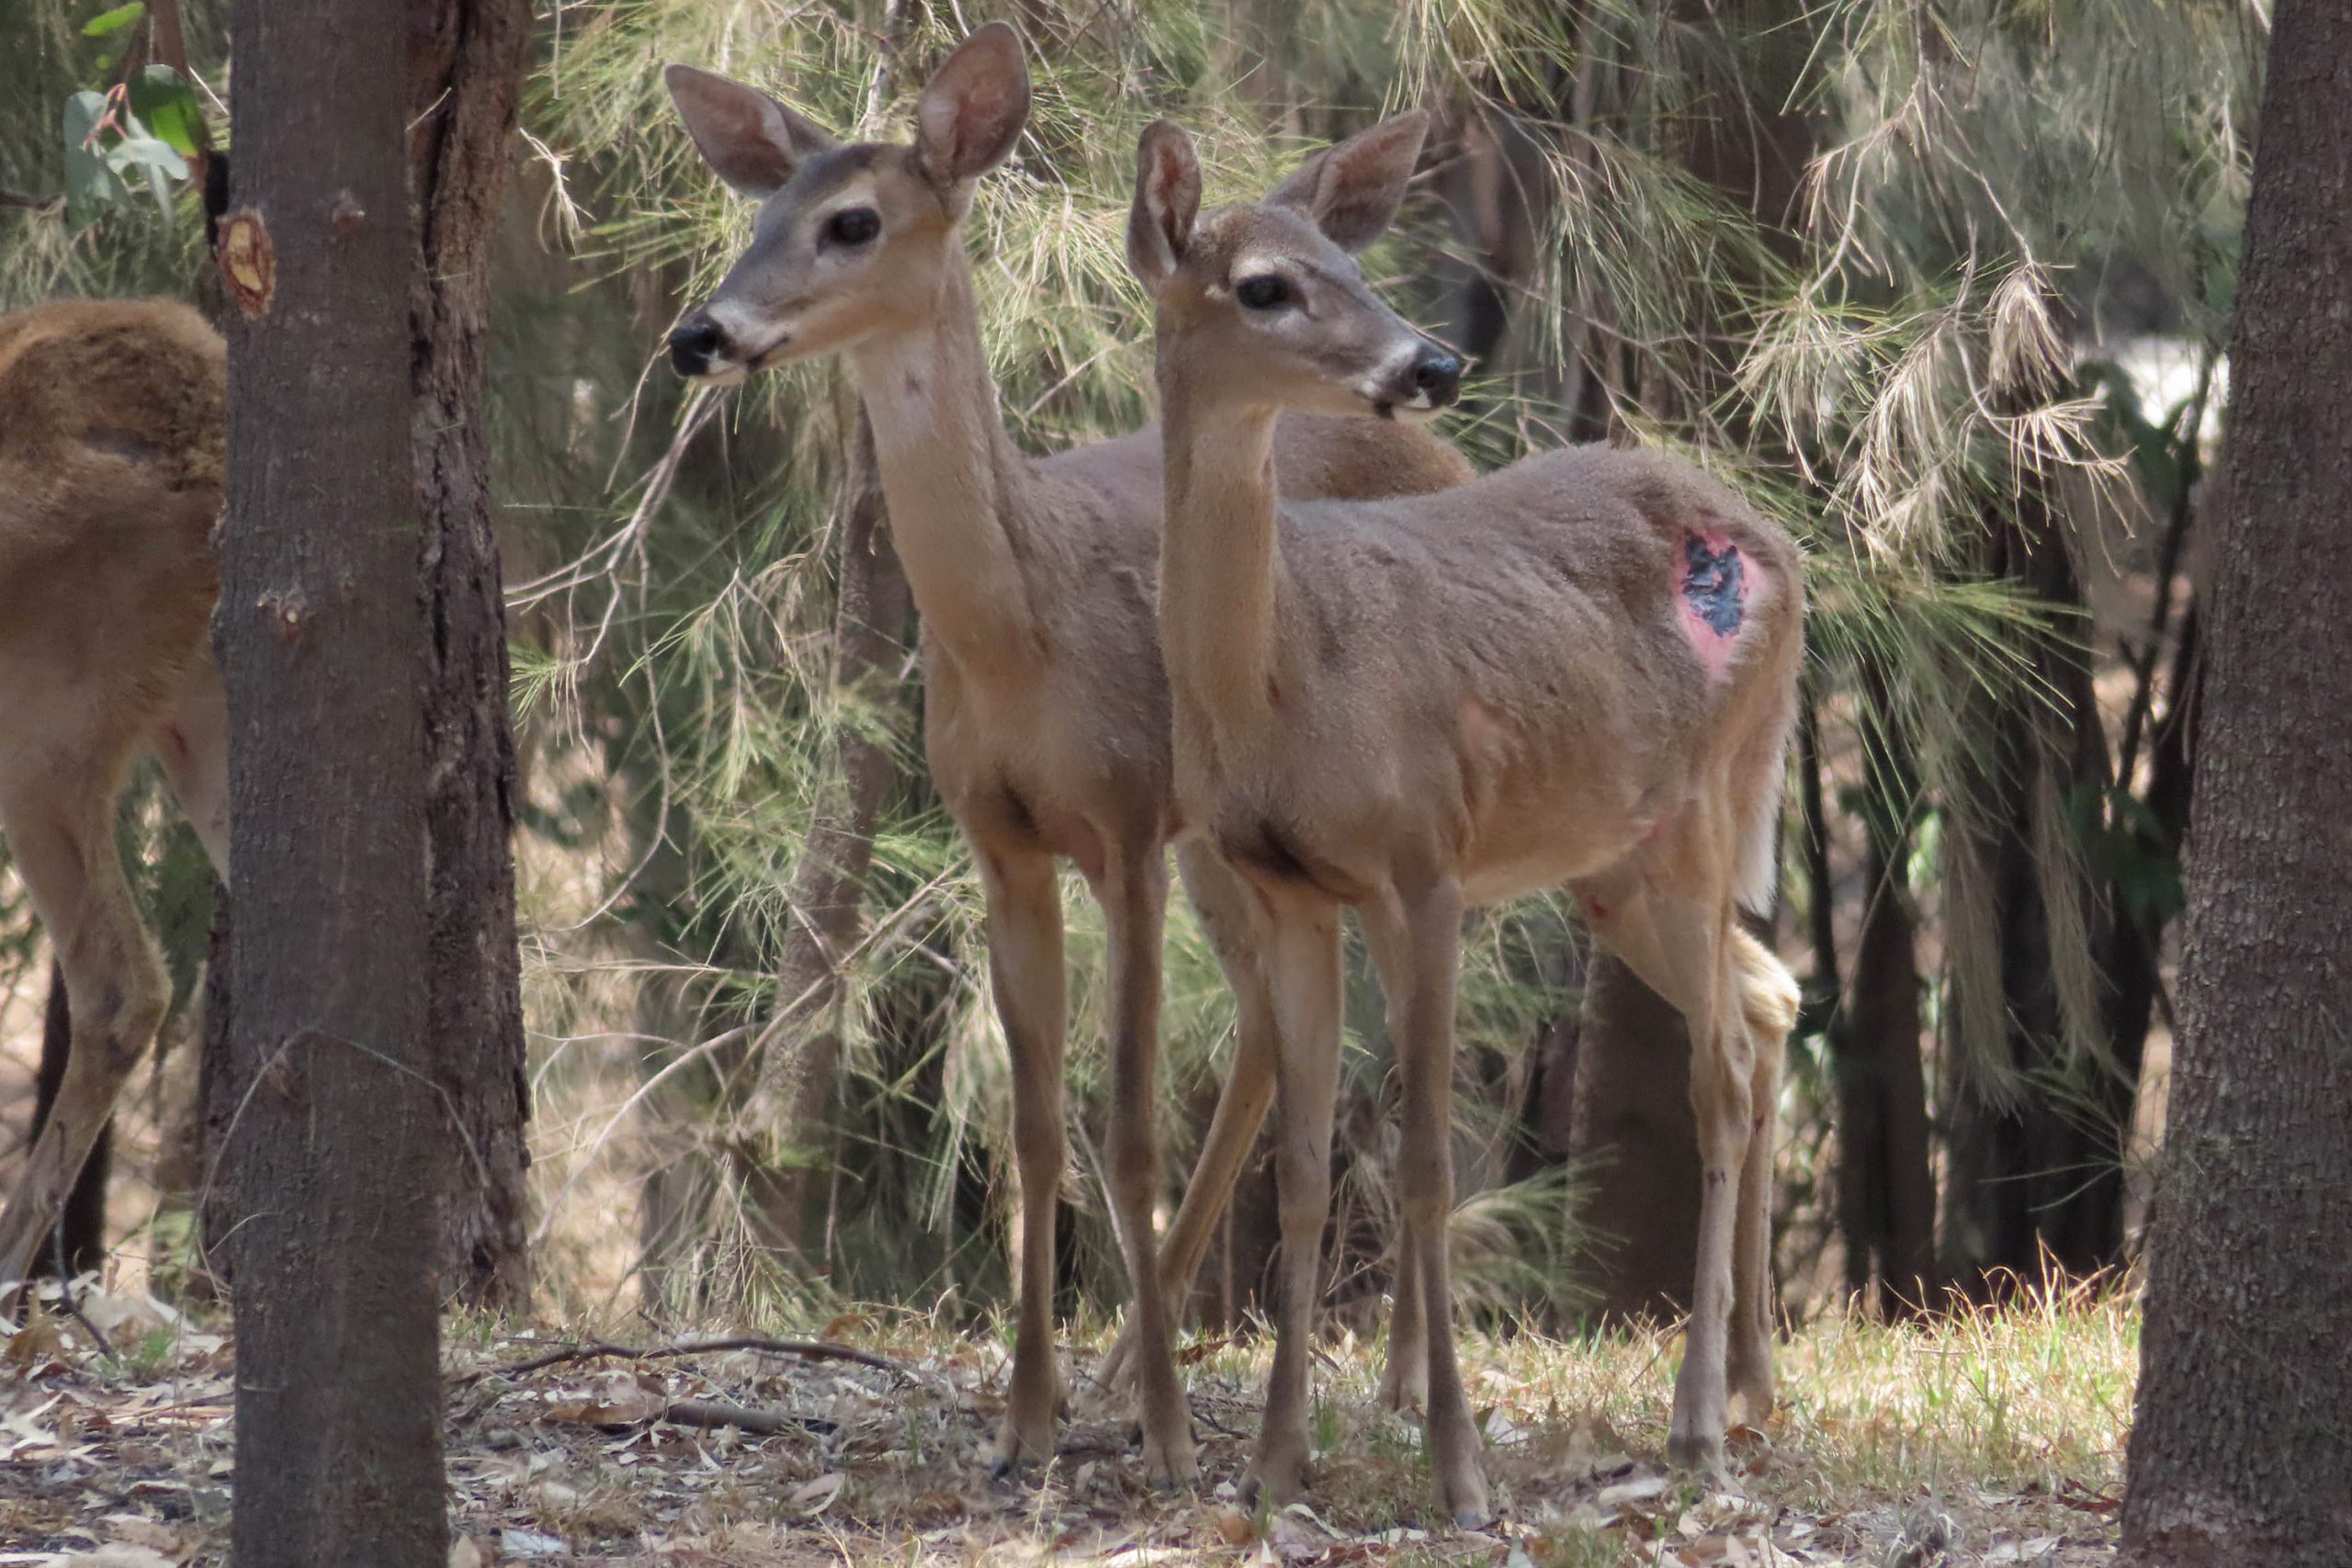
x: 1712, y: 581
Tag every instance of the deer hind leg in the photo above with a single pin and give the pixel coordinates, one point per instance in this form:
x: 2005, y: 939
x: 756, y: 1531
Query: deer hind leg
x: 1769, y: 1003
x: 1432, y: 926
x: 1024, y: 933
x: 116, y: 989
x: 1227, y: 916
x: 192, y: 743
x: 1405, y: 1381
x: 1133, y: 895
x: 1303, y: 951
x: 1673, y: 927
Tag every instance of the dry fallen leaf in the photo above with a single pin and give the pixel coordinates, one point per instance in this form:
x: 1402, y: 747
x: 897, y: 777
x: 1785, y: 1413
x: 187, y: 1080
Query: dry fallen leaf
x: 119, y: 1554
x: 464, y: 1554
x: 1234, y: 1527
x: 812, y: 1498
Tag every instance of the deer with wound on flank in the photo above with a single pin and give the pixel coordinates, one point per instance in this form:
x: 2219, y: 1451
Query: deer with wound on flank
x: 1046, y: 713
x: 1578, y: 671
x: 112, y: 434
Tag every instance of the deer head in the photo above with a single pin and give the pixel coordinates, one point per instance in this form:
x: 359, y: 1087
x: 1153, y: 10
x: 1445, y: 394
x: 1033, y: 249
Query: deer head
x: 852, y: 238
x: 1266, y: 298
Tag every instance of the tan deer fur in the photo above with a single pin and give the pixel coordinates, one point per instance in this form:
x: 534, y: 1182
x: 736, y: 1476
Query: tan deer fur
x: 112, y: 428
x: 1413, y: 706
x: 1046, y: 724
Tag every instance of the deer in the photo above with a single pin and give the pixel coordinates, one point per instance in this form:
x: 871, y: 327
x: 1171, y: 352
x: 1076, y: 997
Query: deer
x: 1578, y: 671
x: 112, y: 439
x: 1047, y: 711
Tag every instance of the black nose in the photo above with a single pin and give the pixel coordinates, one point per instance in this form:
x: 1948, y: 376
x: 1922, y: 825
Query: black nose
x: 1437, y: 376
x: 694, y: 344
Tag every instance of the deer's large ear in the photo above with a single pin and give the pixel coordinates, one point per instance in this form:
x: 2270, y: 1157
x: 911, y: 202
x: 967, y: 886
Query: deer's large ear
x: 972, y: 110
x: 1167, y: 197
x: 749, y: 139
x: 1352, y: 188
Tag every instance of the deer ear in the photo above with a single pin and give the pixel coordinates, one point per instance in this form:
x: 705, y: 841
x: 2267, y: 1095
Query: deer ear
x: 973, y: 108
x: 1352, y: 190
x: 749, y: 139
x: 1167, y: 197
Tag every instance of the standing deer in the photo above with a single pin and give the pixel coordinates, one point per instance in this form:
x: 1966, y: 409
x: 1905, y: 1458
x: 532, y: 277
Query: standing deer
x: 1581, y: 670
x: 112, y: 430
x: 1046, y: 718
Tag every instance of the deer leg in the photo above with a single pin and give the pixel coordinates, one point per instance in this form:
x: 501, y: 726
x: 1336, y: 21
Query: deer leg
x: 116, y: 992
x: 1224, y: 907
x: 1134, y: 895
x: 1767, y: 998
x: 1304, y: 954
x: 192, y: 743
x: 1425, y: 1054
x: 1404, y: 1380
x: 1026, y: 970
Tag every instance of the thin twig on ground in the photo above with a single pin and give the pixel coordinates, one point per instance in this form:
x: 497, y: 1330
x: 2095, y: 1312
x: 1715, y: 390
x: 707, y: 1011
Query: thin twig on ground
x: 808, y: 1349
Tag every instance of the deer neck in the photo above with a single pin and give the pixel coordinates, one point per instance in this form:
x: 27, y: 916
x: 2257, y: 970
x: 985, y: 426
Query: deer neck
x: 955, y: 485
x: 1221, y: 574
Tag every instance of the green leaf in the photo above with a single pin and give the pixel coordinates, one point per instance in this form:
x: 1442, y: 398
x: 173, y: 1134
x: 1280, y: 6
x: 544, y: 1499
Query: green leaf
x: 90, y: 182
x: 146, y: 153
x: 165, y: 100
x: 114, y: 21
x: 160, y: 184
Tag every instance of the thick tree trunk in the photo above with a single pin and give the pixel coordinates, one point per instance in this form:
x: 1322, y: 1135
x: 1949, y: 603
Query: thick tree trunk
x: 1633, y: 1127
x: 2038, y: 1118
x: 336, y: 1148
x: 801, y: 1053
x: 81, y: 1224
x: 1886, y: 1195
x: 2242, y: 1452
x: 465, y: 79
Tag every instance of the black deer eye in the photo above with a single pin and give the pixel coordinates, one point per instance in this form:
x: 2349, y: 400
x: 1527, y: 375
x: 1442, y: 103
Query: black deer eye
x: 1263, y: 292
x: 852, y: 225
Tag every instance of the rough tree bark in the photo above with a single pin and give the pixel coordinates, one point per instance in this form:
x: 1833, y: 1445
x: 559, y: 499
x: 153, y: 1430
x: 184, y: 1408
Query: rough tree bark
x: 336, y: 1150
x: 2242, y: 1452
x: 465, y: 79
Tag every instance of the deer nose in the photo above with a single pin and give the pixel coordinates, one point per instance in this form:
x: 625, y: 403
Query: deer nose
x: 1437, y: 376
x: 694, y: 344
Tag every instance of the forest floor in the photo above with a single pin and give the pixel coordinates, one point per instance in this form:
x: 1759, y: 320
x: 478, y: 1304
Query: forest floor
x: 1991, y: 1437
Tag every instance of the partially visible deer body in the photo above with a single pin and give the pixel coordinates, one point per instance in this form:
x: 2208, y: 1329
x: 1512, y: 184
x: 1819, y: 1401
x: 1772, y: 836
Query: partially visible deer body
x: 112, y: 430
x: 1578, y: 671
x: 1047, y: 723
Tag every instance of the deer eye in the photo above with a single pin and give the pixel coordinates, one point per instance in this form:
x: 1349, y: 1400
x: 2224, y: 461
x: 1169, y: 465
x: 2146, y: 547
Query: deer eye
x: 1262, y: 292
x: 853, y: 226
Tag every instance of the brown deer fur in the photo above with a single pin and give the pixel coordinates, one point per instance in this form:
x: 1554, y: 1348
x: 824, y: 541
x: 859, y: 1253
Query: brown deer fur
x: 1046, y: 718
x: 112, y: 427
x: 1412, y: 705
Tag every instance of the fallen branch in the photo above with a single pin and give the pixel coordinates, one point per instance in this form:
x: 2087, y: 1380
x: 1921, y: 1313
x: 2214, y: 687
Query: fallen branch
x: 807, y: 1349
x: 716, y: 1413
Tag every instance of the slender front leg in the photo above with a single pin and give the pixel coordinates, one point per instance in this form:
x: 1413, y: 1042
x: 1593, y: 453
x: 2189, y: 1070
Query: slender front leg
x: 61, y: 832
x: 1025, y: 967
x: 1303, y: 955
x: 1425, y: 1057
x: 1133, y: 895
x: 1229, y: 918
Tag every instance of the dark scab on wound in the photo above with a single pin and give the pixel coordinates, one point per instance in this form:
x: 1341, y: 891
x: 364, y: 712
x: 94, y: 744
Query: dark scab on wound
x: 1711, y: 584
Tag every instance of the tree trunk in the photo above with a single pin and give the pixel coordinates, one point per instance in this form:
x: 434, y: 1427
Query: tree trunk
x: 1634, y: 1130
x: 81, y: 1224
x: 465, y: 78
x: 1886, y: 1195
x: 2038, y: 1116
x: 800, y: 1055
x: 2242, y: 1452
x: 337, y: 1147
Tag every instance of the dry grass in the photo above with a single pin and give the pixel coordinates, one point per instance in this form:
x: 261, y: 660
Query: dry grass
x: 1989, y: 1436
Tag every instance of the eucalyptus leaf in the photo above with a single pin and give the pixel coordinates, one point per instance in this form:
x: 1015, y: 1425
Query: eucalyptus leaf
x: 166, y: 102
x: 106, y: 23
x: 90, y: 182
x: 146, y: 153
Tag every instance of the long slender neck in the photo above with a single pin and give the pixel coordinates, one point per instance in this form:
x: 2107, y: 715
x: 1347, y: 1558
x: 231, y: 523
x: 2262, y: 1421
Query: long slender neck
x: 1221, y: 576
x: 955, y: 483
